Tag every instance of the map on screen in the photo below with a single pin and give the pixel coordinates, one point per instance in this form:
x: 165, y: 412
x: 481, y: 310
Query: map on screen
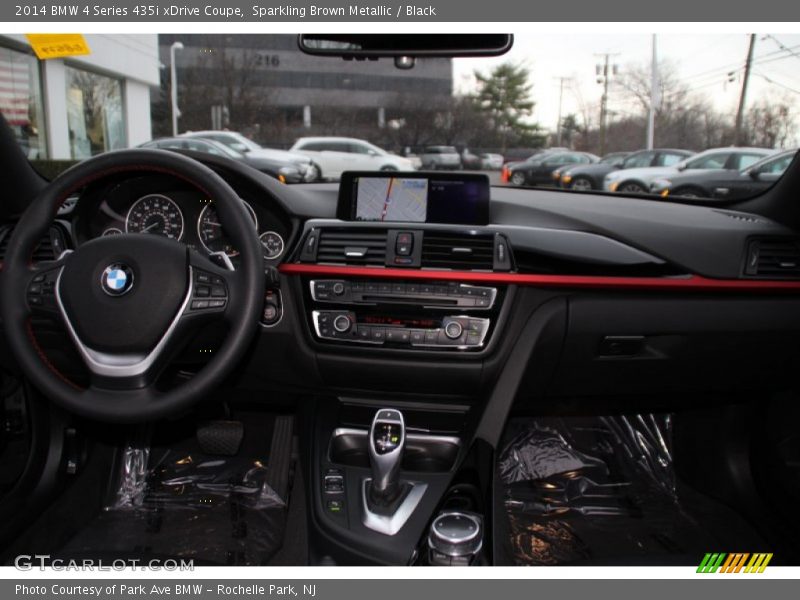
x: 392, y: 199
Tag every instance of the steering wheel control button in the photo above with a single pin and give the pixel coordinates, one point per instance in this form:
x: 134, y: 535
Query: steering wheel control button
x: 117, y: 279
x: 209, y: 292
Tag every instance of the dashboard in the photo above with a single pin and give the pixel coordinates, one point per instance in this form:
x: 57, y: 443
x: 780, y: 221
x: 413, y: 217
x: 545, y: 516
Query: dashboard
x: 363, y: 306
x: 163, y: 206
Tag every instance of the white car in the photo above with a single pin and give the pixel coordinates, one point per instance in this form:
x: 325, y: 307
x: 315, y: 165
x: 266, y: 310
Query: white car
x: 638, y: 181
x: 491, y: 162
x: 244, y: 145
x: 334, y: 155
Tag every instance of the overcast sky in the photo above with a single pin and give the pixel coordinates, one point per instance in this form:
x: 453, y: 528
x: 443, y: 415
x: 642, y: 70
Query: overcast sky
x: 703, y: 62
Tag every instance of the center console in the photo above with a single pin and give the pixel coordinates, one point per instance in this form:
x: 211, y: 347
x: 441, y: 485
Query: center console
x: 432, y: 316
x: 407, y: 272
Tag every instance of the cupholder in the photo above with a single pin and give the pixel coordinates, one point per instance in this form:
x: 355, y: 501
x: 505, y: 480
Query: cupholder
x: 423, y: 453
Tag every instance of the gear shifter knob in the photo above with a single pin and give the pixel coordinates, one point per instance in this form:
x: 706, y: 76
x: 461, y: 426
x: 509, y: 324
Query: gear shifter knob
x: 387, y: 438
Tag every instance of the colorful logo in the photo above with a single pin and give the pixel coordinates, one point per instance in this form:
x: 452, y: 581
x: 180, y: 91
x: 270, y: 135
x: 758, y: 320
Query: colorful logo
x: 738, y: 562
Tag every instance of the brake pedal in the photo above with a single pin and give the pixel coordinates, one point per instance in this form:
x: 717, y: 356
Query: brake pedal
x: 222, y: 438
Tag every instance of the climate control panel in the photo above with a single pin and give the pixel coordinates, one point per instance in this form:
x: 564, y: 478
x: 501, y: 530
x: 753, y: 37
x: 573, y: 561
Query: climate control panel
x: 459, y: 332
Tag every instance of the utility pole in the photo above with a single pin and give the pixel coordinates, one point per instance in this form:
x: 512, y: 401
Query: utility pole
x: 173, y: 84
x: 737, y: 140
x: 603, y: 77
x: 561, y: 81
x: 654, y: 97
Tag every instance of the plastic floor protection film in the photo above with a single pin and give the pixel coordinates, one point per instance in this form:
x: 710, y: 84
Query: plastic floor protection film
x: 597, y: 489
x: 178, y: 504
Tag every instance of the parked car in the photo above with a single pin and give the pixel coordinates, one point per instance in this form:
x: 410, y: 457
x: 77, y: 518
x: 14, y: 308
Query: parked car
x: 590, y: 177
x: 491, y: 162
x: 470, y: 160
x: 440, y: 157
x: 724, y: 184
x: 332, y: 156
x: 288, y: 172
x: 244, y: 145
x: 538, y: 169
x: 637, y: 181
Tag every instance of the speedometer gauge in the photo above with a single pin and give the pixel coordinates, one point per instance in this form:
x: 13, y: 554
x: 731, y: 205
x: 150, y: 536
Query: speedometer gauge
x: 157, y: 214
x: 211, y: 234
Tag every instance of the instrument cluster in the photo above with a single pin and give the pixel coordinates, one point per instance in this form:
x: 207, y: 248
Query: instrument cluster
x: 180, y: 213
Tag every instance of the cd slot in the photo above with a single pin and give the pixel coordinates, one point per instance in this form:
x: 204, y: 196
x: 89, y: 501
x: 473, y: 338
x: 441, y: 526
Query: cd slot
x: 407, y: 300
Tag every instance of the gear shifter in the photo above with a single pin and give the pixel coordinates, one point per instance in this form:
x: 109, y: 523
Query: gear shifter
x: 388, y: 501
x: 387, y: 438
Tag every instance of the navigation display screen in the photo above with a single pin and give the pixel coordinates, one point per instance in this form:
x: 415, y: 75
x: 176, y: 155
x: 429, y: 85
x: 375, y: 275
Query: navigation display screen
x: 391, y: 199
x: 459, y: 198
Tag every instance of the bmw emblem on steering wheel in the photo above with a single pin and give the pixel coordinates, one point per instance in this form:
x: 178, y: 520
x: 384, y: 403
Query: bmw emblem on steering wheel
x: 117, y: 279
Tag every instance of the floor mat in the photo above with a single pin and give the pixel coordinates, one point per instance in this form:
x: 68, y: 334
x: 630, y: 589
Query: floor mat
x: 179, y: 502
x: 603, y: 489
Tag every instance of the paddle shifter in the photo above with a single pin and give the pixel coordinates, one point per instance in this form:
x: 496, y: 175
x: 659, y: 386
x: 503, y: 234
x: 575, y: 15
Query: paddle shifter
x: 387, y: 438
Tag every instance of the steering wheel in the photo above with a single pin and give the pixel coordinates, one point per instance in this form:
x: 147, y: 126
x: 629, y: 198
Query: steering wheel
x: 130, y: 302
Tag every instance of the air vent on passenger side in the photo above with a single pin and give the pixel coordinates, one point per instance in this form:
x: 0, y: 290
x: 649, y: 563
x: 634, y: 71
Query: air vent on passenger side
x: 49, y: 248
x: 448, y: 250
x: 773, y: 258
x: 352, y: 247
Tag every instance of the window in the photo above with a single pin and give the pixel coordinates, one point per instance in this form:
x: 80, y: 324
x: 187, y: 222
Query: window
x: 21, y: 101
x: 777, y: 166
x: 746, y: 160
x: 637, y: 161
x: 709, y: 161
x: 198, y: 146
x: 669, y: 159
x: 94, y: 113
x: 359, y: 149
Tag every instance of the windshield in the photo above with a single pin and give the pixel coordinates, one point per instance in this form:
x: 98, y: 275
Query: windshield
x: 573, y: 97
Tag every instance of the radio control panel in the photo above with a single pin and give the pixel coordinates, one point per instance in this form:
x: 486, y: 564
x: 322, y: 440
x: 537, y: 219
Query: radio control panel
x: 422, y: 294
x: 458, y: 332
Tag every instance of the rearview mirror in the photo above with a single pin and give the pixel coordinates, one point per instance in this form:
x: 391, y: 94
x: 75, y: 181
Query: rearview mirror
x: 373, y: 46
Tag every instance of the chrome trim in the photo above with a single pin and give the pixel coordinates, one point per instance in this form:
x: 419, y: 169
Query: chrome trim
x: 121, y: 365
x: 391, y: 524
x: 411, y: 437
x: 226, y: 260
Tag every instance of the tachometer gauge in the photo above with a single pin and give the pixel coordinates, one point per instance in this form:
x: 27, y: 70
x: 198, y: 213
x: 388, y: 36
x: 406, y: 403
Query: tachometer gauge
x: 211, y: 234
x: 271, y: 244
x: 157, y: 214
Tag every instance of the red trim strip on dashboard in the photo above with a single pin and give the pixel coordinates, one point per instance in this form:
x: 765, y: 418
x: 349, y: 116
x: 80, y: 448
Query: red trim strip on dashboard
x: 695, y: 283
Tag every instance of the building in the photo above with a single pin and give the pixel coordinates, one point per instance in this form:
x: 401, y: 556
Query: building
x: 76, y: 107
x: 267, y: 87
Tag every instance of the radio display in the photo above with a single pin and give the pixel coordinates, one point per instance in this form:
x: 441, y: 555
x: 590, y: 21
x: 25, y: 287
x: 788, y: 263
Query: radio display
x: 399, y: 322
x: 414, y: 198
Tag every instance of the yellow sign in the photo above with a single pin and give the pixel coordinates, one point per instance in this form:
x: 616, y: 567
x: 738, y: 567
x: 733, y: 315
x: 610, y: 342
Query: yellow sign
x: 57, y: 45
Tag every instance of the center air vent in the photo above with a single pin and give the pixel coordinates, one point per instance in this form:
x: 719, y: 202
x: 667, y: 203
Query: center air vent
x: 352, y: 247
x: 49, y: 248
x: 774, y: 258
x: 443, y: 250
